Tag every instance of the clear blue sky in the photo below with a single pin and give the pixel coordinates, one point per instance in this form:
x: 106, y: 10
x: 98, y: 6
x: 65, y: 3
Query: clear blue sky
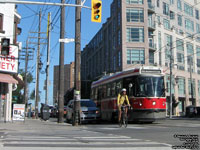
x: 29, y: 23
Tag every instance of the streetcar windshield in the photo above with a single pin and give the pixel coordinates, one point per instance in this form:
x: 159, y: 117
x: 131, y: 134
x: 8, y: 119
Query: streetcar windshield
x: 148, y: 86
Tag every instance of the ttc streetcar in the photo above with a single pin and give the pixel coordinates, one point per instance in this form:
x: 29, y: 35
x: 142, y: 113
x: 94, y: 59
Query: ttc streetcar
x: 145, y: 88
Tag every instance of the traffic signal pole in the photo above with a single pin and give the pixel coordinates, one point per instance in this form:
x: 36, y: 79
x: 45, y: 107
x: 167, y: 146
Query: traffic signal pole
x: 77, y: 64
x: 61, y: 66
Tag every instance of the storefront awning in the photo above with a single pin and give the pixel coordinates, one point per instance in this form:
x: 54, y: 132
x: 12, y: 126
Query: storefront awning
x: 6, y: 78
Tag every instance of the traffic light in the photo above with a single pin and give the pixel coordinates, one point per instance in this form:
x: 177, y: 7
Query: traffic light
x: 5, y: 46
x: 96, y: 10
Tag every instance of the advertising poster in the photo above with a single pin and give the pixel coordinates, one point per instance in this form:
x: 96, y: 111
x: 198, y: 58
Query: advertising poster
x: 18, y: 112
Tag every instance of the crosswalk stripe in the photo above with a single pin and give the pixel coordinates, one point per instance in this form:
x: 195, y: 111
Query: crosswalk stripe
x: 80, y: 142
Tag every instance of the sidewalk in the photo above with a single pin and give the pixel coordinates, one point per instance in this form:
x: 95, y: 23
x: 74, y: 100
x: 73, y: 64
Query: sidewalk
x: 182, y: 118
x: 33, y: 124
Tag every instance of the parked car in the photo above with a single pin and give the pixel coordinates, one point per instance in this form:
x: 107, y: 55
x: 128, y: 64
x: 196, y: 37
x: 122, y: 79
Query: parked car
x: 88, y: 112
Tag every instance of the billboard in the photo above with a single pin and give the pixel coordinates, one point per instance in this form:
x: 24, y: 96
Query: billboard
x: 9, y: 63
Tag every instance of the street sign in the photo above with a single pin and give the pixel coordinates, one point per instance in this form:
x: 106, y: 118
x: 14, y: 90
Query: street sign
x: 66, y: 40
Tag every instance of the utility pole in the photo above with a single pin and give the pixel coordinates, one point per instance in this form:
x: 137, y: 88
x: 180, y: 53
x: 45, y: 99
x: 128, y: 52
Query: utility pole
x: 48, y: 58
x: 37, y: 68
x: 77, y: 64
x: 61, y: 66
x: 25, y: 76
x: 191, y: 82
x: 27, y: 58
x: 169, y: 47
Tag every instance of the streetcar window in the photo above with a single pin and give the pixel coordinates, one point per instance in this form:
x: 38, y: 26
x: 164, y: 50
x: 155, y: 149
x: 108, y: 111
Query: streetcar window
x: 113, y: 91
x: 99, y: 94
x: 118, y: 87
x: 95, y: 94
x: 150, y: 86
x: 92, y: 91
x: 104, y: 91
x: 108, y: 90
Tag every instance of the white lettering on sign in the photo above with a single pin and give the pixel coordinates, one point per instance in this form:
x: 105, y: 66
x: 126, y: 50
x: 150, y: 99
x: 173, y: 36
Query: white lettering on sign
x: 9, y: 63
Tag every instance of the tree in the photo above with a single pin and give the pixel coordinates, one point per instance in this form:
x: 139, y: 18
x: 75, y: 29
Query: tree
x: 18, y: 93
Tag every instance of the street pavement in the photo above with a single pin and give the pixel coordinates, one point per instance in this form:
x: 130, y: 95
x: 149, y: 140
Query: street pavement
x: 34, y: 134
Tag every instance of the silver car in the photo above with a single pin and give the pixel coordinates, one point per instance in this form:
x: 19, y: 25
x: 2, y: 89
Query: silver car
x: 89, y: 111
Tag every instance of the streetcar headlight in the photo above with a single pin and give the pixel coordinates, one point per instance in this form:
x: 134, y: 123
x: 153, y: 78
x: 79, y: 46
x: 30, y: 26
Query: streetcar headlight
x: 154, y: 103
x: 140, y: 104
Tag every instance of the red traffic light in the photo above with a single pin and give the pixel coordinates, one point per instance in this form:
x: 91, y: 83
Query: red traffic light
x: 5, y: 46
x: 97, y: 5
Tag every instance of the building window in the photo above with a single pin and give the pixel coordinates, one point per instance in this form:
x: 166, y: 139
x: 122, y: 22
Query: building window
x: 189, y: 25
x: 165, y: 8
x: 193, y: 87
x: 135, y: 56
x: 198, y: 51
x: 171, y: 2
x: 158, y: 3
x: 151, y: 57
x: 188, y: 9
x: 172, y: 15
x: 197, y: 14
x: 114, y: 42
x: 190, y: 49
x: 180, y: 58
x: 119, y: 3
x: 198, y: 28
x: 166, y: 24
x: 168, y: 41
x: 114, y: 25
x: 119, y: 59
x: 190, y: 52
x: 119, y: 37
x: 168, y: 83
x: 160, y: 47
x: 134, y: 34
x: 198, y: 63
x: 114, y: 63
x: 134, y: 1
x: 179, y: 5
x: 119, y: 18
x: 179, y: 20
x: 180, y: 45
x: 1, y: 22
x: 190, y: 61
x: 199, y: 88
x: 158, y: 19
x: 181, y: 86
x: 134, y: 15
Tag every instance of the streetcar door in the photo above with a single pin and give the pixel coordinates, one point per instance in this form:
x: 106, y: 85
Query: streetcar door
x: 129, y: 84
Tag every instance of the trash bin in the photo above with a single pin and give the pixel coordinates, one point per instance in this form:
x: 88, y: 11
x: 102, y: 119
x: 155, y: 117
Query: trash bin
x: 45, y: 112
x: 190, y: 111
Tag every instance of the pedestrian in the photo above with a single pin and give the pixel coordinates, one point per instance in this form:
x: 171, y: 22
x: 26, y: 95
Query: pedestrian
x: 122, y: 100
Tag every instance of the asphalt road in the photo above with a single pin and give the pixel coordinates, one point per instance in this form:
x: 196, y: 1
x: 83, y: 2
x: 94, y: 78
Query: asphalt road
x: 47, y: 135
x: 163, y: 131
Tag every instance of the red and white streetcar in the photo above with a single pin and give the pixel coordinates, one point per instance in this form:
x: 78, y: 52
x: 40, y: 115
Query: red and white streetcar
x: 145, y: 88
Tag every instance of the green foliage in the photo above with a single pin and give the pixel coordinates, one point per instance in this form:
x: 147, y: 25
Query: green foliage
x: 18, y: 94
x: 32, y: 96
